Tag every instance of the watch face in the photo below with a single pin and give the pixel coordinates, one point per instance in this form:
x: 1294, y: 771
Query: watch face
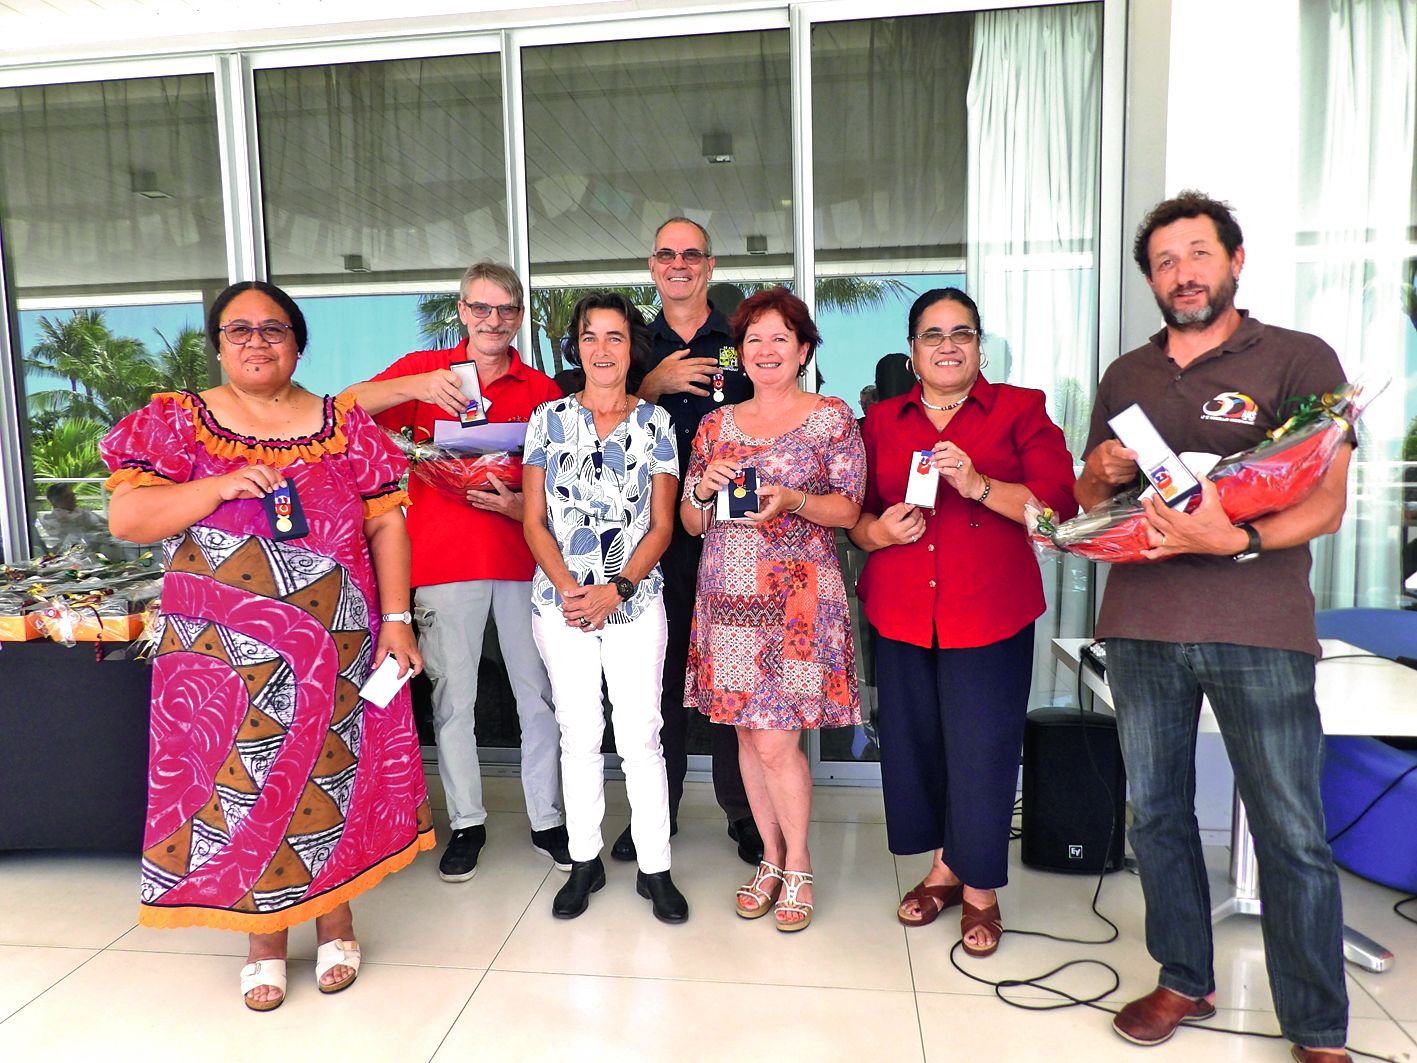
x: 625, y: 587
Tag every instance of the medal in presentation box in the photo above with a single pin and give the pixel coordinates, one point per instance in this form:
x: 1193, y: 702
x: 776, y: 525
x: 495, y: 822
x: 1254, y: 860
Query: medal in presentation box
x: 1158, y: 462
x: 476, y: 411
x: 924, y: 481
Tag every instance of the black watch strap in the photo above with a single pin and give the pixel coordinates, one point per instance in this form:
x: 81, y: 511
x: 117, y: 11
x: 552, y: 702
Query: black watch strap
x: 624, y: 587
x: 1252, y: 546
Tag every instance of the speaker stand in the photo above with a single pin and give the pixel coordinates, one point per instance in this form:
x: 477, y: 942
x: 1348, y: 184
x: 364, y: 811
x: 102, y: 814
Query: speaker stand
x: 1243, y: 898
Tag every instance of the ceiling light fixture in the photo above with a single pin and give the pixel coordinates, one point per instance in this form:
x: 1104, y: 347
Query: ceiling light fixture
x: 145, y: 185
x: 718, y: 147
x: 757, y: 245
x: 355, y: 264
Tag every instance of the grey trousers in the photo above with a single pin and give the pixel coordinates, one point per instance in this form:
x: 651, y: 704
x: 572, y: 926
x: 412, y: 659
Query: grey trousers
x: 452, y: 618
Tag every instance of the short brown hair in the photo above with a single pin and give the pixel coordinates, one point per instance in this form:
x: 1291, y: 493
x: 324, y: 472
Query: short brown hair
x: 708, y: 244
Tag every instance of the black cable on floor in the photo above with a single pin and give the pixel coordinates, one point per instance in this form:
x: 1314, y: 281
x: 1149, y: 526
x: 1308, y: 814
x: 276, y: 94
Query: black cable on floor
x: 1397, y: 908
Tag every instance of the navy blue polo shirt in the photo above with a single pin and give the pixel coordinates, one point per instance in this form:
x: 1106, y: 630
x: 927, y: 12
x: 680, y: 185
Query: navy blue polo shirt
x: 685, y: 409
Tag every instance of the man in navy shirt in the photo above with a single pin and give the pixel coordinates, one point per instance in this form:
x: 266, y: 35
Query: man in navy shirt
x: 694, y: 370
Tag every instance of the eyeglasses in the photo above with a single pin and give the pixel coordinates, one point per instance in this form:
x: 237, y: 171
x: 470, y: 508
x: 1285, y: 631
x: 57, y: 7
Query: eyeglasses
x: 483, y: 310
x: 692, y: 256
x: 239, y: 335
x: 960, y: 337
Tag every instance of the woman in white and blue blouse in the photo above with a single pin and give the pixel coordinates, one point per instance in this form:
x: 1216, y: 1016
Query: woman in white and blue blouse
x: 600, y: 478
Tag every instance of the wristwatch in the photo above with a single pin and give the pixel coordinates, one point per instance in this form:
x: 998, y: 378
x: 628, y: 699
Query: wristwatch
x: 404, y: 617
x: 624, y: 587
x: 1252, y: 548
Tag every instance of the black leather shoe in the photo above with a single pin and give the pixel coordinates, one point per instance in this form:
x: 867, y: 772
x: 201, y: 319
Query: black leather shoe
x: 459, y: 862
x: 750, y: 842
x: 669, y: 904
x: 624, y: 847
x: 573, y: 898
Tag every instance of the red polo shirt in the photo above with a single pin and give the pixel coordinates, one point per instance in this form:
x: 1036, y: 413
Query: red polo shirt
x: 961, y: 585
x: 451, y: 540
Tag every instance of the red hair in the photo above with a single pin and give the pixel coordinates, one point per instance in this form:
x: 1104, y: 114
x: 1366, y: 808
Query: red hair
x: 791, y: 309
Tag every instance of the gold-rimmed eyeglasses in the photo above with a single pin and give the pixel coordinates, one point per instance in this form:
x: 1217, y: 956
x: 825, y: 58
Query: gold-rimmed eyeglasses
x: 960, y: 337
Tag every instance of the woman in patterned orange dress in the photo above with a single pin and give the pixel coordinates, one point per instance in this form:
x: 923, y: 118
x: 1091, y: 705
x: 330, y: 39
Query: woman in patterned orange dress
x: 771, y: 650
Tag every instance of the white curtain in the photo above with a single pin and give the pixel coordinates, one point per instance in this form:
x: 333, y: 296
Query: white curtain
x: 1034, y: 111
x: 1358, y: 199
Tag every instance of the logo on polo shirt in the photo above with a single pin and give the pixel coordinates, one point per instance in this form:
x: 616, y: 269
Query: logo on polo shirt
x: 728, y: 358
x: 1231, y: 407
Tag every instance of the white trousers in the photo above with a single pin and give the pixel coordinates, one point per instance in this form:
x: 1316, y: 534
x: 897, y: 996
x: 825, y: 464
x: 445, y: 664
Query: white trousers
x: 631, y: 658
x: 452, y: 618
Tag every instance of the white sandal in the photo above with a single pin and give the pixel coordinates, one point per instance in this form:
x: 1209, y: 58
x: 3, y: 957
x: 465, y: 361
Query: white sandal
x: 334, y: 954
x: 792, y: 882
x: 263, y: 973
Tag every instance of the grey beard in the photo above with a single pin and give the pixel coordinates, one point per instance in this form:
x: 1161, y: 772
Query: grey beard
x: 1188, y: 319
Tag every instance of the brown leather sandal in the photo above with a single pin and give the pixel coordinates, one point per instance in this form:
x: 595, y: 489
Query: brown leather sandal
x: 931, y: 901
x: 981, y: 919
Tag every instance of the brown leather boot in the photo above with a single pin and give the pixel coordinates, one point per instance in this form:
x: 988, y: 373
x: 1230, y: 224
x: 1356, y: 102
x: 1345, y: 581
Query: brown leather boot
x: 1320, y: 1055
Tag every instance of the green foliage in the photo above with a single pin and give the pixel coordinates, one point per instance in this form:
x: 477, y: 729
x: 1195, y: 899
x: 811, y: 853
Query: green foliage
x: 69, y: 450
x: 106, y: 377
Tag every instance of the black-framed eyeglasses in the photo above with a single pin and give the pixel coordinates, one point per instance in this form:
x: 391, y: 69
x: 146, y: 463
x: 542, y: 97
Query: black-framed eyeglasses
x: 692, y: 256
x: 239, y: 335
x: 960, y: 337
x: 483, y: 310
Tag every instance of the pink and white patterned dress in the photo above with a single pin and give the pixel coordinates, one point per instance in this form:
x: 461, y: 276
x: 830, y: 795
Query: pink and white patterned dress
x: 275, y: 792
x: 771, y: 643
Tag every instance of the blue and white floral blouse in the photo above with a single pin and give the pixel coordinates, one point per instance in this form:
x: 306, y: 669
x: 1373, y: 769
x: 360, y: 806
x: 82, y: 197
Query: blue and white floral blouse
x: 598, y: 493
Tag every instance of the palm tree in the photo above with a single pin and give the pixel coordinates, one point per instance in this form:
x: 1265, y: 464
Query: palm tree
x: 65, y: 346
x: 69, y: 450
x: 551, y: 308
x: 182, y: 363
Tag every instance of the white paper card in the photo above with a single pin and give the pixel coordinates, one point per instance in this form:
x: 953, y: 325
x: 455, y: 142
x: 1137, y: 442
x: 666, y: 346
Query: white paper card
x: 1158, y: 462
x: 477, y: 406
x: 384, y: 682
x: 924, y: 481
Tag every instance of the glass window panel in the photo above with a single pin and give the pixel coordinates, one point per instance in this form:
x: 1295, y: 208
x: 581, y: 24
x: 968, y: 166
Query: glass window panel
x: 111, y: 205
x: 380, y: 172
x: 621, y: 135
x: 1355, y: 249
x: 936, y: 165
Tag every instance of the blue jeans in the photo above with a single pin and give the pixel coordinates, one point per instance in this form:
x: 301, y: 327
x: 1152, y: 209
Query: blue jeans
x: 1264, y: 703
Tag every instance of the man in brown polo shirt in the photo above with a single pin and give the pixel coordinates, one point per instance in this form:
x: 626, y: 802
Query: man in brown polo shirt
x: 1225, y: 613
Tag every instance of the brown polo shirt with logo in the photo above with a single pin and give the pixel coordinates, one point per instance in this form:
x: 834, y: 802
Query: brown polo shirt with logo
x: 1224, y: 401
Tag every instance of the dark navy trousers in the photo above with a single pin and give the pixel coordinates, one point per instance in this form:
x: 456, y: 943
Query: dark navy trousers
x: 951, y: 730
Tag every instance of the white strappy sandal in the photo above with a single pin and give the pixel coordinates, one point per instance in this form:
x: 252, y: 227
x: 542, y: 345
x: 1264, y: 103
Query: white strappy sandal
x: 792, y: 883
x: 263, y: 973
x: 334, y: 954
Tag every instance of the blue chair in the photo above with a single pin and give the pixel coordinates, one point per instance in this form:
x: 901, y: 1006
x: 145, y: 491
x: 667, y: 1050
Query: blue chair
x: 1380, y: 846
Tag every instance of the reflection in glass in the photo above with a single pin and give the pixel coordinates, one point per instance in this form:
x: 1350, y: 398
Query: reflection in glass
x: 621, y: 135
x: 382, y: 171
x: 961, y: 150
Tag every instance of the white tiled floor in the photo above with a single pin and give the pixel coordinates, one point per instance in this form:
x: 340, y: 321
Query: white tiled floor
x: 481, y: 971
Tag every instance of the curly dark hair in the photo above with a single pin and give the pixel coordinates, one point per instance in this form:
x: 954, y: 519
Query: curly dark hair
x: 1189, y: 204
x: 791, y: 309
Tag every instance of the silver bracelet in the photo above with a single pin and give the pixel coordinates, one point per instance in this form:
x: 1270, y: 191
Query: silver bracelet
x: 988, y: 486
x: 805, y: 496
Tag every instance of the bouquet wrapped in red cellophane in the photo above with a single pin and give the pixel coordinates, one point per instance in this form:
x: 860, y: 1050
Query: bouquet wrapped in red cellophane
x: 455, y: 470
x: 1276, y: 473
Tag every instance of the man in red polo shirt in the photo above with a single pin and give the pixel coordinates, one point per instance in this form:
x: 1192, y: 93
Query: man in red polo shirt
x: 469, y: 560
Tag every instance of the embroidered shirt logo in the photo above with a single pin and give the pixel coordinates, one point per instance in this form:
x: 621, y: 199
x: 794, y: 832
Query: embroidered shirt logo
x: 728, y: 358
x: 1232, y: 407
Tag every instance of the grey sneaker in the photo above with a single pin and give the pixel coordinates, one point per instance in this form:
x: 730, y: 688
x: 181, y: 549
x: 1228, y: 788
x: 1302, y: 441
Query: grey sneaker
x: 459, y: 861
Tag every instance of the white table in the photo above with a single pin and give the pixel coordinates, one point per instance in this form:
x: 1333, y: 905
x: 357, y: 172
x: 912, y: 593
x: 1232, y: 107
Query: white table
x: 1358, y: 695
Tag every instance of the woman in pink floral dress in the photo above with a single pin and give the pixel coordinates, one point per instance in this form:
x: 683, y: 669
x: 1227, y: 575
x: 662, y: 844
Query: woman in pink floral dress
x: 771, y: 650
x: 275, y: 792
